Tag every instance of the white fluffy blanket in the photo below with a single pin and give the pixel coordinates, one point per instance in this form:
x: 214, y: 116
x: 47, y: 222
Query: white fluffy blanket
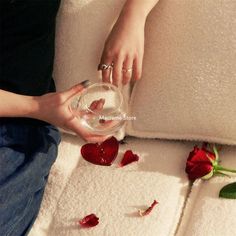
x: 77, y: 188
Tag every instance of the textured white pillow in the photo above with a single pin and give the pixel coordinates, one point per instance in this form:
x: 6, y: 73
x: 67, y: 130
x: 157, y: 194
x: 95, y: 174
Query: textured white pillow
x: 82, y: 28
x: 188, y: 89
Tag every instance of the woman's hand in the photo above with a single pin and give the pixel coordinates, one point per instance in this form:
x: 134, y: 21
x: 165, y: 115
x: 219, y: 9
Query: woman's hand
x: 124, y: 49
x: 123, y: 52
x: 54, y: 108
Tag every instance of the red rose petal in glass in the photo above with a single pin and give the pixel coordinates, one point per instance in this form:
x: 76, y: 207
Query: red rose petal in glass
x: 101, y: 154
x: 89, y: 221
x: 149, y: 209
x: 128, y: 158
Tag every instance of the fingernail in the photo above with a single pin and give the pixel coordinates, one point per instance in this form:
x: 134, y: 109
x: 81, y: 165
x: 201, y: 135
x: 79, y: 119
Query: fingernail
x: 99, y: 67
x: 85, y: 83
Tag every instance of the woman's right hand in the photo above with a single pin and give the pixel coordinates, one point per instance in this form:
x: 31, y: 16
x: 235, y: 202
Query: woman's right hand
x: 54, y: 108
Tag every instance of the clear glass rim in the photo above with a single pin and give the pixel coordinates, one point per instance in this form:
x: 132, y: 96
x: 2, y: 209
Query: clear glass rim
x: 116, y: 89
x: 112, y: 129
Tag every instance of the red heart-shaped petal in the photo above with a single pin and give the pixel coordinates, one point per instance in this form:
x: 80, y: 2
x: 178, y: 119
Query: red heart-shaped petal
x: 89, y: 221
x: 128, y: 158
x: 101, y: 154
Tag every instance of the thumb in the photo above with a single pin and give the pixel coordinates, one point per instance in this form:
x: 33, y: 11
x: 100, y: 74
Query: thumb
x: 75, y: 89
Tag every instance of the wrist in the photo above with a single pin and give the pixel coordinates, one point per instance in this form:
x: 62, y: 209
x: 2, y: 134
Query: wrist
x: 138, y: 8
x: 133, y: 14
x: 32, y: 109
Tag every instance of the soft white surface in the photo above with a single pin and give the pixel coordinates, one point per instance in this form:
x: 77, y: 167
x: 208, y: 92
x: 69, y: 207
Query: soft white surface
x: 66, y: 161
x: 189, y: 74
x: 82, y: 28
x: 77, y: 188
x: 206, y: 214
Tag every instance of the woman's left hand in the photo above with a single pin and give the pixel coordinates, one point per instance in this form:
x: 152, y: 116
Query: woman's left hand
x: 124, y: 50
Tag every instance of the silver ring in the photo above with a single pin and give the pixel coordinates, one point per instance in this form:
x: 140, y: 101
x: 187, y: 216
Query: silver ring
x: 127, y: 70
x: 105, y: 66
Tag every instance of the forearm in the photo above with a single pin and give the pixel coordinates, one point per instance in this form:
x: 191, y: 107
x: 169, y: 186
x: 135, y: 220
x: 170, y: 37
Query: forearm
x: 15, y: 105
x: 138, y: 8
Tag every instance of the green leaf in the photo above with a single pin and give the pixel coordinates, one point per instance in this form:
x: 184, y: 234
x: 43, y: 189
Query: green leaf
x: 228, y: 191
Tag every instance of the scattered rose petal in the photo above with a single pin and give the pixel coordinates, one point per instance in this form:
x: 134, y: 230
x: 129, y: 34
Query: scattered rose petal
x: 101, y: 154
x: 149, y: 209
x: 128, y: 158
x: 89, y: 221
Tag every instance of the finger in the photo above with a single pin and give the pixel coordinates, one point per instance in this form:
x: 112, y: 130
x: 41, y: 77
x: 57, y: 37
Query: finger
x: 93, y: 105
x: 126, y: 72
x: 137, y: 69
x: 106, y: 124
x: 97, y: 138
x: 117, y: 70
x: 100, y: 104
x: 106, y: 74
x: 97, y: 104
x: 75, y: 126
x: 75, y: 89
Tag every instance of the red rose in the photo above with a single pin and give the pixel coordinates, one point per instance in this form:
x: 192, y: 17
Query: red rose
x: 200, y: 163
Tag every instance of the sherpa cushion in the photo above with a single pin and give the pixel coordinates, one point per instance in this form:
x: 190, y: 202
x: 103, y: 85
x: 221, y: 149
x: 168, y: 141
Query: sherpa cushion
x: 77, y: 188
x: 189, y: 74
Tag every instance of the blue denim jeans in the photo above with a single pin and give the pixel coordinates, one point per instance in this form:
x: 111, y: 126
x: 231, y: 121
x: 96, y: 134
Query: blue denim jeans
x: 27, y: 152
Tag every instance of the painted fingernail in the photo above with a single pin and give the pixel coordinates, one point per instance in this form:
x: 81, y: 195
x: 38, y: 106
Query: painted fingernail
x: 99, y: 67
x: 102, y: 101
x: 85, y: 83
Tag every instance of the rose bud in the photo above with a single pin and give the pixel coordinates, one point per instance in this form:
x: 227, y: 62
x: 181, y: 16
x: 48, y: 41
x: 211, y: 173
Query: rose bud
x: 200, y: 164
